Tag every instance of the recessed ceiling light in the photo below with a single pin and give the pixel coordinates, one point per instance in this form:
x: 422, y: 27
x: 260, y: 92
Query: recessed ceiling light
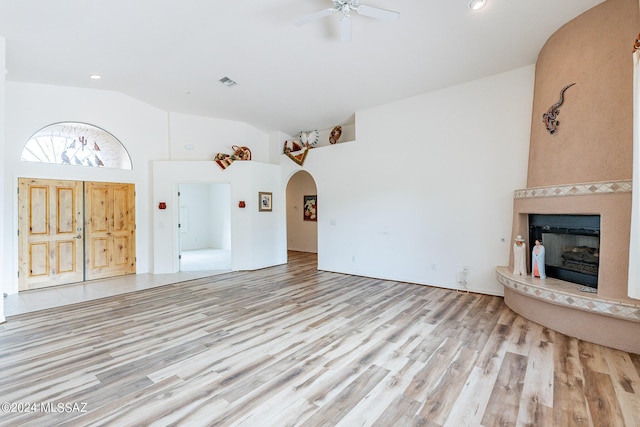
x: 477, y: 4
x: 228, y: 82
x: 95, y: 76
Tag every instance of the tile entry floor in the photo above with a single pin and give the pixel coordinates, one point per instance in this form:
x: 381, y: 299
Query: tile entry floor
x: 56, y: 296
x: 205, y: 259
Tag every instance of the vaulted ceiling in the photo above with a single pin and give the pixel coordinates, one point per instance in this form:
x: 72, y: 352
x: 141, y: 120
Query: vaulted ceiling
x: 172, y: 53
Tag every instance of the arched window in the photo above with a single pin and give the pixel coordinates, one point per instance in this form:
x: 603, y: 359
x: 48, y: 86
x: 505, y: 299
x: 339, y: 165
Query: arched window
x: 80, y: 144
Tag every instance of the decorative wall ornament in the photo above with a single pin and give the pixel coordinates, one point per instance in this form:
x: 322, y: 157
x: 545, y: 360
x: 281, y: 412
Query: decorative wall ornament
x: 296, y: 151
x: 309, y: 138
x: 310, y: 208
x: 291, y: 146
x: 335, y: 134
x: 239, y: 153
x: 550, y: 118
x: 298, y: 156
x: 265, y: 201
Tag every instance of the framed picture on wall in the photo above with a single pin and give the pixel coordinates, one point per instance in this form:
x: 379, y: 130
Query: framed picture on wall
x: 310, y: 208
x: 264, y: 201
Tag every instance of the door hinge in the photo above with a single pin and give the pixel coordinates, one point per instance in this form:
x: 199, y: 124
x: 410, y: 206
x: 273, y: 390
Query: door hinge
x: 180, y: 256
x: 179, y: 225
x: 178, y: 194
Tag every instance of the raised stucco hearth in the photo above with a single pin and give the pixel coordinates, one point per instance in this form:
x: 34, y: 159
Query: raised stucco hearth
x: 566, y: 294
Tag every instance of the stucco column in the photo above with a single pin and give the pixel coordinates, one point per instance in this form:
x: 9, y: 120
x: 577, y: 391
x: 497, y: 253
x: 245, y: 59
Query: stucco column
x: 634, y: 245
x: 4, y: 205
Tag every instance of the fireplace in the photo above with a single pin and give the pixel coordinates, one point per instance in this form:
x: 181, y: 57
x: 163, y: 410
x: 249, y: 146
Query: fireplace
x: 572, y: 246
x: 598, y: 216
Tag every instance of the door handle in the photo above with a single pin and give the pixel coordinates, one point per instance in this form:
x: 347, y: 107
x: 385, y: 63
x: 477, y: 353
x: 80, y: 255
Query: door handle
x: 79, y: 236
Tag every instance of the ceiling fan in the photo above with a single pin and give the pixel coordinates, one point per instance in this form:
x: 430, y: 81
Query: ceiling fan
x: 346, y: 7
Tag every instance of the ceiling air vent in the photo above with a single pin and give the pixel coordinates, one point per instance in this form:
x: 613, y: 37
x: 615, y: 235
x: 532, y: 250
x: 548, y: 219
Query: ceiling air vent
x: 228, y: 82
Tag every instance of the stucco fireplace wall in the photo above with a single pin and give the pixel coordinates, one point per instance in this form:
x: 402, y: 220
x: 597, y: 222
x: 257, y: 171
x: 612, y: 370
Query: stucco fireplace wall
x: 584, y: 168
x: 594, y: 138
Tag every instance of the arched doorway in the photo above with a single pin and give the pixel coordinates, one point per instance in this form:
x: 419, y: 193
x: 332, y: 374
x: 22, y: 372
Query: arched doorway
x: 302, y: 213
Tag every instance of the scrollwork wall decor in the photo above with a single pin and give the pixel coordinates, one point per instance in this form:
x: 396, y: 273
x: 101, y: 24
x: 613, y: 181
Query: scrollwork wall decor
x: 550, y: 118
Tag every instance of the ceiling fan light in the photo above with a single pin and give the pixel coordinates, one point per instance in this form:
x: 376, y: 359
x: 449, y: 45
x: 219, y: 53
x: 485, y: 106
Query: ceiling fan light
x: 477, y: 4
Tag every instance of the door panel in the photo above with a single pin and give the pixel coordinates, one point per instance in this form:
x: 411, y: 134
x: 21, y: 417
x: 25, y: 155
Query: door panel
x: 39, y: 259
x: 50, y: 233
x: 110, y: 229
x: 51, y: 242
x: 99, y: 249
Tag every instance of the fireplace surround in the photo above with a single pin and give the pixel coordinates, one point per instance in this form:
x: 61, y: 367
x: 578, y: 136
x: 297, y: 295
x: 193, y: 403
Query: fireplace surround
x: 560, y: 304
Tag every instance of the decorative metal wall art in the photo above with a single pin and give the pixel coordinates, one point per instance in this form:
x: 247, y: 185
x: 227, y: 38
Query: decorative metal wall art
x: 550, y: 118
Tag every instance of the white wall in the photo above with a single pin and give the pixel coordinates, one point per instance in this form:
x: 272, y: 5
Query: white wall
x: 258, y: 239
x: 196, y: 226
x: 301, y: 235
x: 427, y: 188
x: 201, y: 138
x: 207, y: 220
x: 5, y: 258
x: 220, y: 197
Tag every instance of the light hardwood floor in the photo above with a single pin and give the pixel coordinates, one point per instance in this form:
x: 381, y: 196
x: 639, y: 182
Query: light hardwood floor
x: 290, y: 345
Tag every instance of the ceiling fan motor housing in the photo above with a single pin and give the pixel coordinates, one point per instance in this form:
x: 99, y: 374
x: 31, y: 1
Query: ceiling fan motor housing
x: 345, y: 6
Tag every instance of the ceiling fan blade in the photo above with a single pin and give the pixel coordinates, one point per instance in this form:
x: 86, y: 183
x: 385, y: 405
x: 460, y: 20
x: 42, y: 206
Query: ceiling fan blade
x: 345, y: 28
x: 377, y: 13
x: 312, y: 17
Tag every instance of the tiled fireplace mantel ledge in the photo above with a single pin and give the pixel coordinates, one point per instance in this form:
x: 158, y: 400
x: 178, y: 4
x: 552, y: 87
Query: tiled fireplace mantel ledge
x: 566, y: 294
x: 588, y: 188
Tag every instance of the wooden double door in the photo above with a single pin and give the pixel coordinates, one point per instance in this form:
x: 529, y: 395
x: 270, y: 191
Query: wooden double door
x: 71, y: 231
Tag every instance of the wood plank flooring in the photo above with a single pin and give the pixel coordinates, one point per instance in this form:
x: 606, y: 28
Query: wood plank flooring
x: 290, y: 345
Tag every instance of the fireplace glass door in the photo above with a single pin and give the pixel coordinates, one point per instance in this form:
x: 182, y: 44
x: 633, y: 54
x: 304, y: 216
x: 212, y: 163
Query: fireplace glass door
x: 572, y: 246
